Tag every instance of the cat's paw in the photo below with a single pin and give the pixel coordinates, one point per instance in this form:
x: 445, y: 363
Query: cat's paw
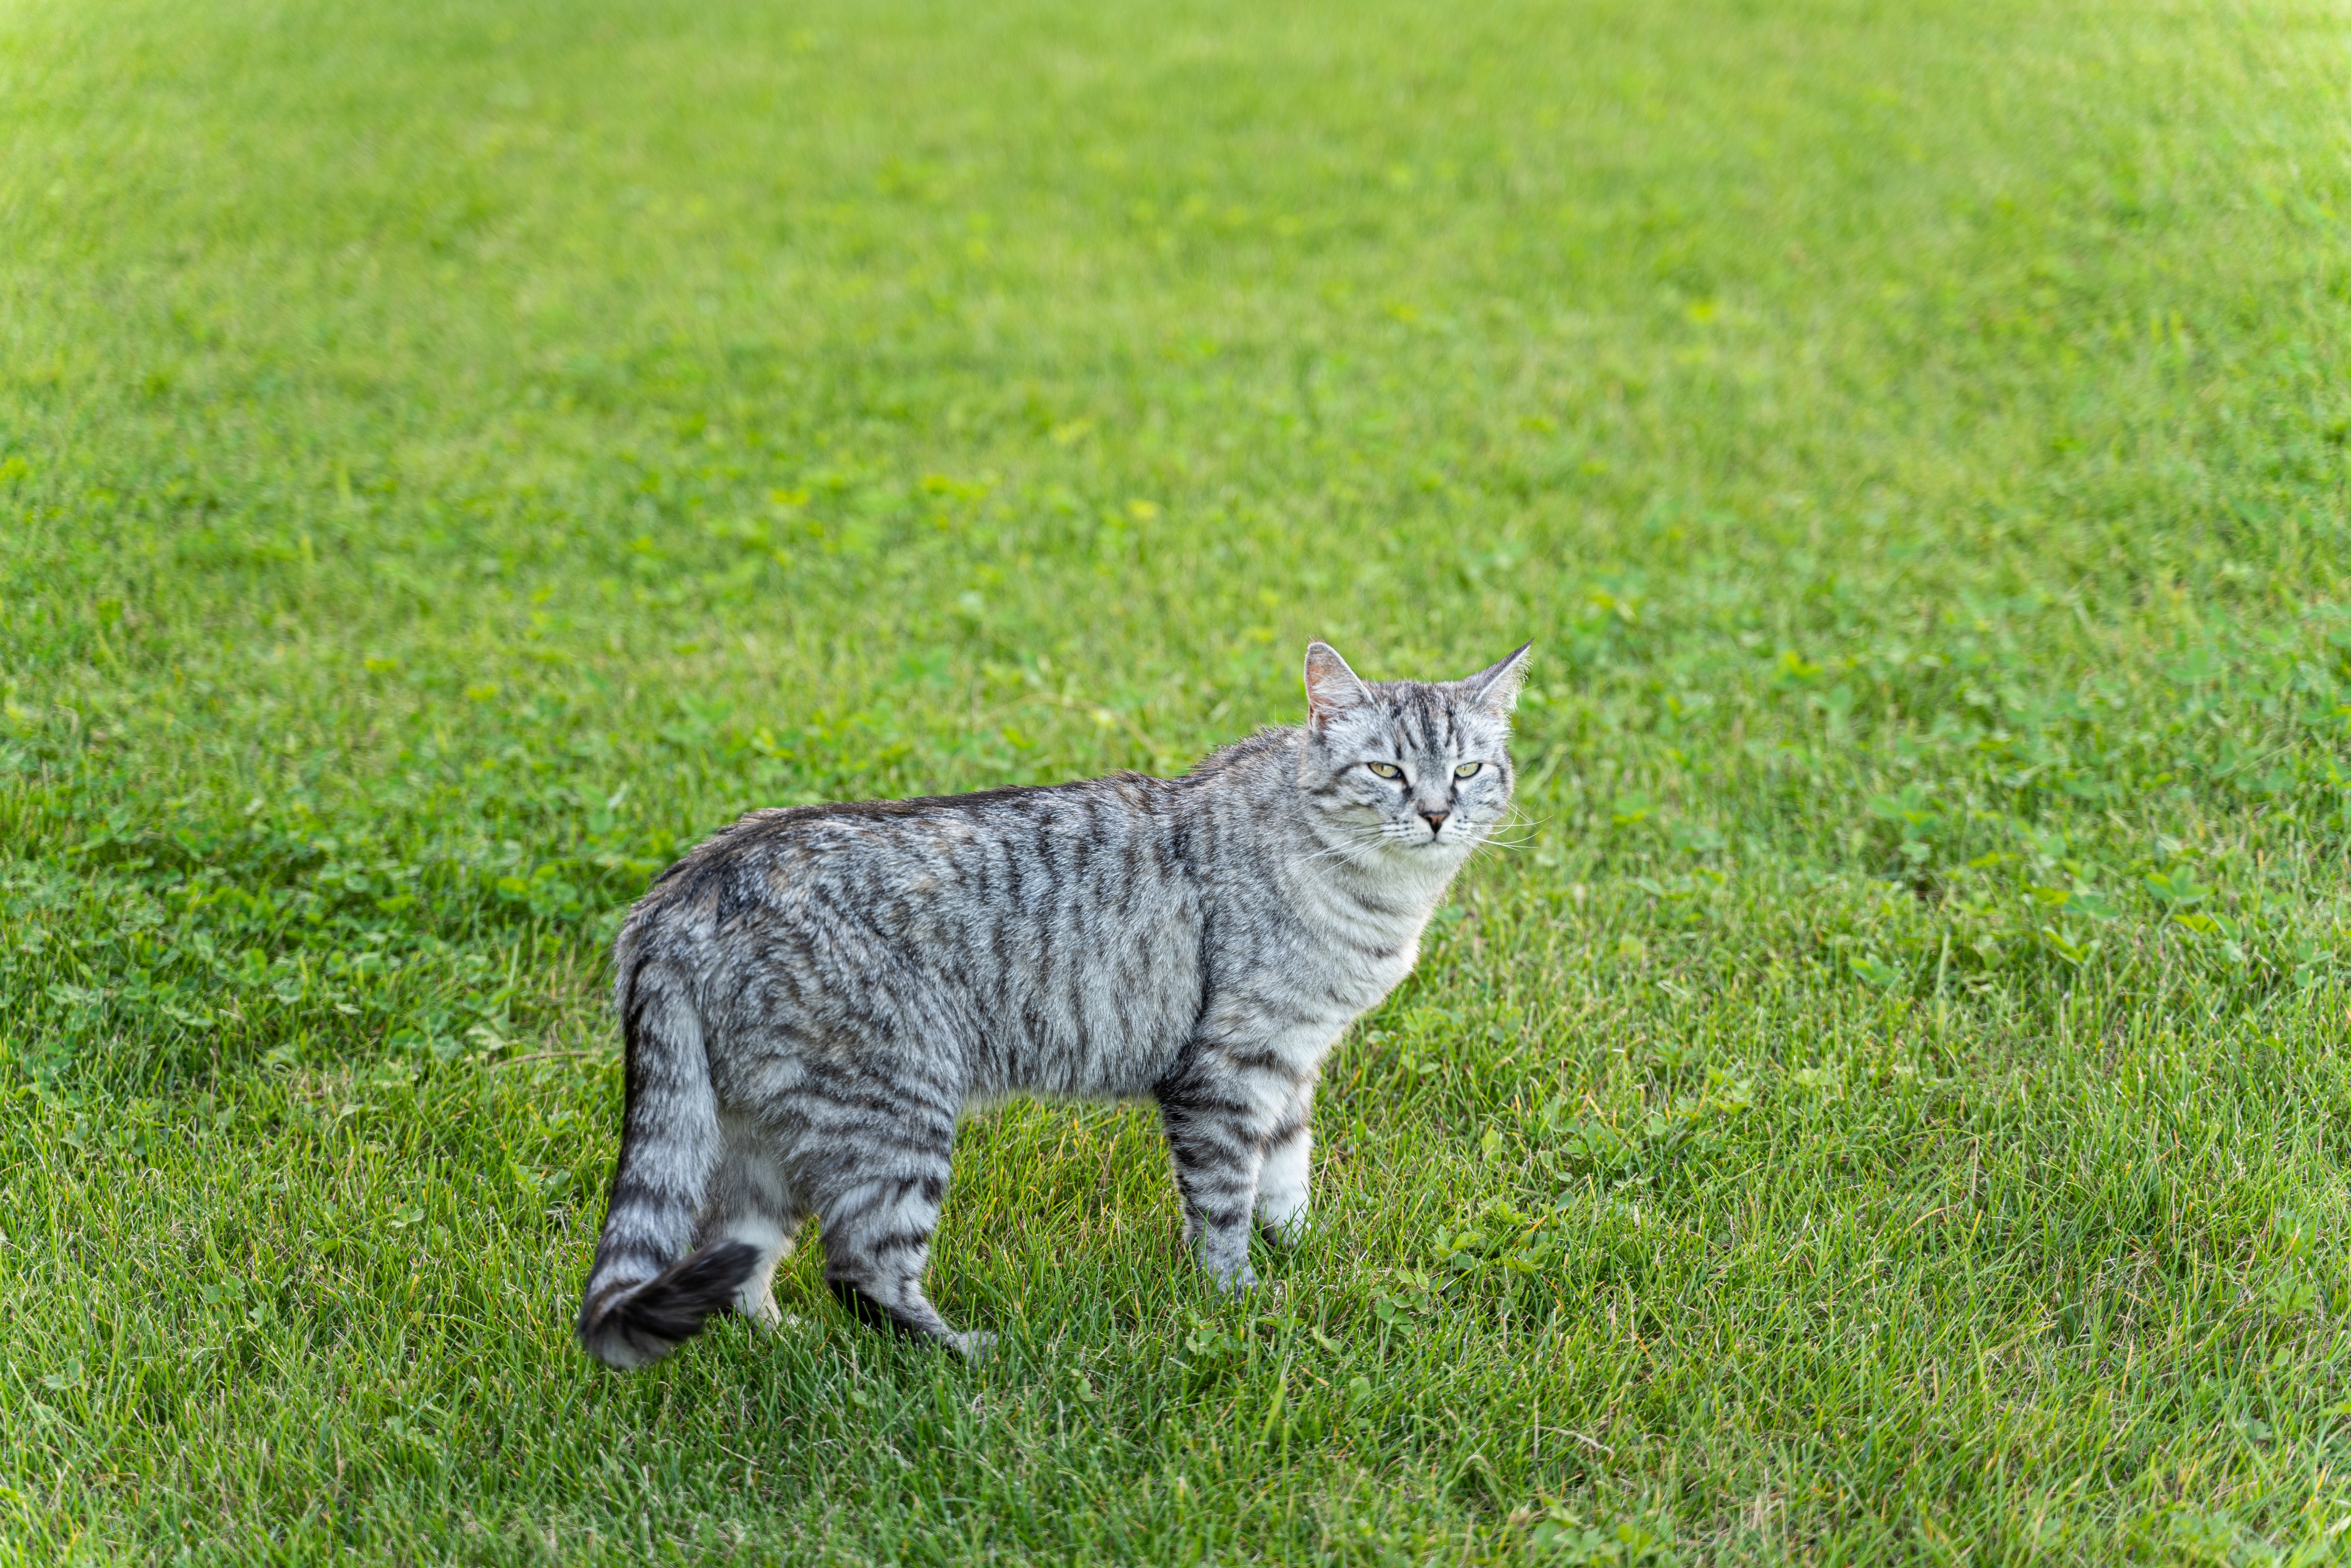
x: 1289, y: 1230
x: 1232, y: 1282
x: 974, y: 1344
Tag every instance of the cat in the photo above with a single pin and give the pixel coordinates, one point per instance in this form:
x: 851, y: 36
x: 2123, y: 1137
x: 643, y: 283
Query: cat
x: 811, y: 999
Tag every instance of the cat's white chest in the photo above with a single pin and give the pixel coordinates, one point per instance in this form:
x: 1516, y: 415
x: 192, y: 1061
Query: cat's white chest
x: 1376, y: 976
x: 1364, y: 954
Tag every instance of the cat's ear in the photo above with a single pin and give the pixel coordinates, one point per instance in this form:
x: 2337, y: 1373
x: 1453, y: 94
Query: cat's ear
x: 1332, y: 688
x: 1496, y: 688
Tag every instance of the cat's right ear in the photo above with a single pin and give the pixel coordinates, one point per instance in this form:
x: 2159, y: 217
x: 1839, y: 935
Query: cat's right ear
x: 1332, y: 688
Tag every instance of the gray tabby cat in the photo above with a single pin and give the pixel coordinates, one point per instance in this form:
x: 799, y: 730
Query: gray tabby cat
x: 813, y: 996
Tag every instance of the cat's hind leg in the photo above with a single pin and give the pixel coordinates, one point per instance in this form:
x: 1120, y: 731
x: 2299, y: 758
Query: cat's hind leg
x: 875, y: 1171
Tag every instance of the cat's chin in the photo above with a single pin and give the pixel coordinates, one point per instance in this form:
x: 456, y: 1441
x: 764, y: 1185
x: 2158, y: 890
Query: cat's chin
x: 1428, y: 855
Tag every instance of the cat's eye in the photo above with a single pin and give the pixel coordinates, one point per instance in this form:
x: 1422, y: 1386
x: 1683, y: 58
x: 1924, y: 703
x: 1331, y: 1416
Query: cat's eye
x: 1385, y: 769
x: 1468, y: 770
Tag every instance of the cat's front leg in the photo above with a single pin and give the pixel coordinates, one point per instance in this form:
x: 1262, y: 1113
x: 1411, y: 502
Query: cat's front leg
x: 1282, y: 1173
x: 1216, y: 1132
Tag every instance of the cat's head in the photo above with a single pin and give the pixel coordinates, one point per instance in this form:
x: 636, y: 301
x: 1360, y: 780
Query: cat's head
x: 1409, y: 769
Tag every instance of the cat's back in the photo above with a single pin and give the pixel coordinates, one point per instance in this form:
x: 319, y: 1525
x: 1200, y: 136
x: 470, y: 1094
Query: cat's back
x: 1002, y: 850
x: 1056, y: 930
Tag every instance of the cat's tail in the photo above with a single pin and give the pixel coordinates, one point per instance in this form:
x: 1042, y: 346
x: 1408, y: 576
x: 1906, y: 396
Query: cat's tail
x: 647, y: 1291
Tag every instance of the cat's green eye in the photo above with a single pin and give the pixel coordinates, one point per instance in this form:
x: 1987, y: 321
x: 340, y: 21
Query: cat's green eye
x: 1385, y: 769
x: 1468, y: 770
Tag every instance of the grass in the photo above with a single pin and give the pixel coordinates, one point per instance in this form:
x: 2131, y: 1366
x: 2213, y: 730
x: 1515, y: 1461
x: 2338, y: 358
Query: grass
x: 1892, y: 1109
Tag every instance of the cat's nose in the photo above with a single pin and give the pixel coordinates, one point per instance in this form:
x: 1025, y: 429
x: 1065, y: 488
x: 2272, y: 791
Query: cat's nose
x: 1435, y: 820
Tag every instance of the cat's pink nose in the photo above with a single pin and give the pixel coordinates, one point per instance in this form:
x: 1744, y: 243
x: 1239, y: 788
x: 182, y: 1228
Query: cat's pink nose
x: 1435, y: 820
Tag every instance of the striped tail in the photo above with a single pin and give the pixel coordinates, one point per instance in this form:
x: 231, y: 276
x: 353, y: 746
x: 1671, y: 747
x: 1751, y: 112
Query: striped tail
x: 647, y: 1292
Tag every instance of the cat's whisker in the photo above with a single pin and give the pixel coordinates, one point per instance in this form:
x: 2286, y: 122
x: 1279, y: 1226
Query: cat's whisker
x: 1504, y: 844
x: 1351, y: 850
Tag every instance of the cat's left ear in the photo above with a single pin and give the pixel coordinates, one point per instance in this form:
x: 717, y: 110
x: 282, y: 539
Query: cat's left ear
x: 1496, y: 688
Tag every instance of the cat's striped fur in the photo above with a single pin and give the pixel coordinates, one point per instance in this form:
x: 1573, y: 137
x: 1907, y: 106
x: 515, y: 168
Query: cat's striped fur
x: 811, y: 999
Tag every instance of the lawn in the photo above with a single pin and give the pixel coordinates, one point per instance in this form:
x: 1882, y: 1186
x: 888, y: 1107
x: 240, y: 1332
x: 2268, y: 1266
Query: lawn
x: 1886, y: 1106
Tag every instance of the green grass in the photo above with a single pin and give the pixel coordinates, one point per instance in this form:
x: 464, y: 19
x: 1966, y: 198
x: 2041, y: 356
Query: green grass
x: 1891, y: 1109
